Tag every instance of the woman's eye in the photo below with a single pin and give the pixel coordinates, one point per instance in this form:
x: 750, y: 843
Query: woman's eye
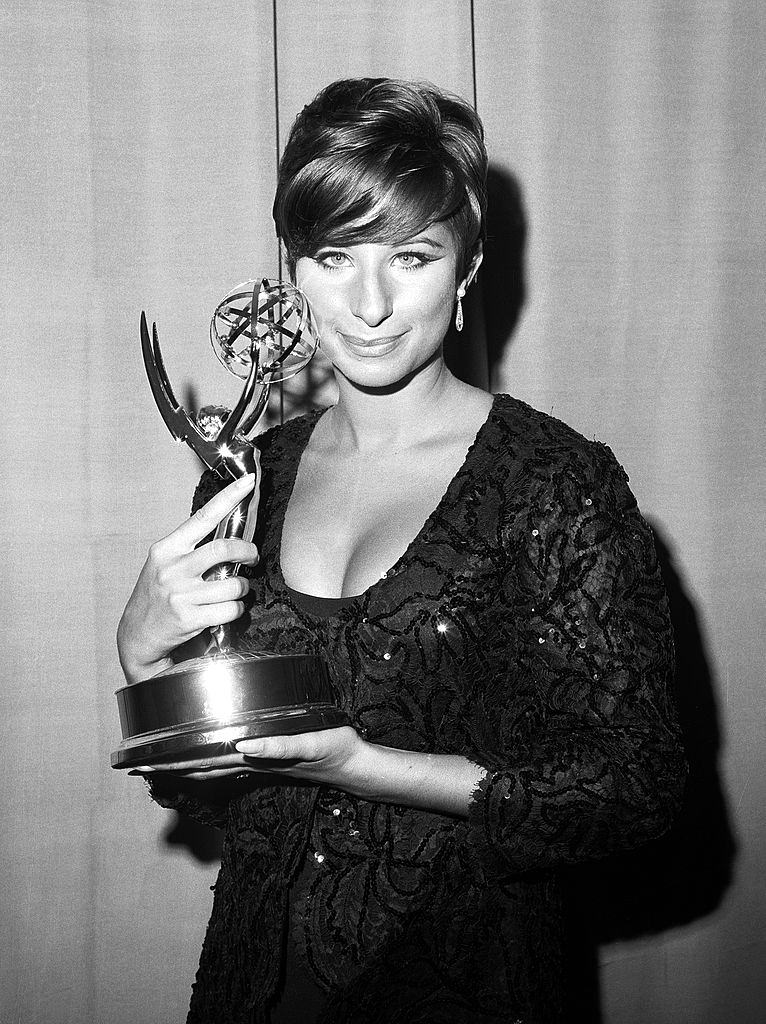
x: 411, y: 260
x: 332, y: 259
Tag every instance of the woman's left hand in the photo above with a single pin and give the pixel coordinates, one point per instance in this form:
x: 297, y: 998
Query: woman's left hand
x: 335, y: 757
x: 441, y: 783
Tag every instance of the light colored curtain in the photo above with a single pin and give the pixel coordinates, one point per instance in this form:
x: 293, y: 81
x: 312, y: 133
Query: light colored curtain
x: 138, y: 167
x: 636, y: 132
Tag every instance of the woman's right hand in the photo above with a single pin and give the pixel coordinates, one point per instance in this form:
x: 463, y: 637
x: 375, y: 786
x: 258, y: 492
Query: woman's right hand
x: 172, y: 601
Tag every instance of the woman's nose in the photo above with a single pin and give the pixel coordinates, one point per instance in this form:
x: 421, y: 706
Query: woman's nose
x: 371, y: 299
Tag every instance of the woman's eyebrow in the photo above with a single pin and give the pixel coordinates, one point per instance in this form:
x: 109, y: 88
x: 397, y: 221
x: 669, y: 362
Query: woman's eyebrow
x: 421, y: 240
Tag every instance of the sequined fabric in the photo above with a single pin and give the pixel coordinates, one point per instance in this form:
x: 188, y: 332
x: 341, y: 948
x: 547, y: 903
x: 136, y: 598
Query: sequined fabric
x: 526, y: 628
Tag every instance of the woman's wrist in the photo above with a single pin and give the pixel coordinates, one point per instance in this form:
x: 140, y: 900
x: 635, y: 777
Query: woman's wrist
x: 135, y: 672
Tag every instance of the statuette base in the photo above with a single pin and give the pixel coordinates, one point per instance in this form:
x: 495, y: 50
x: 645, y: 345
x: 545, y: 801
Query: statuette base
x: 201, y: 708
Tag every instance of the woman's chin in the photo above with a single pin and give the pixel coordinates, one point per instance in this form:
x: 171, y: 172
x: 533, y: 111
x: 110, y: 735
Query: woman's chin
x: 382, y: 376
x: 388, y: 368
x: 372, y: 378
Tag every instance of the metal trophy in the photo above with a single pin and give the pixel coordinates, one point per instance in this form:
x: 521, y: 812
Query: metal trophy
x: 263, y: 333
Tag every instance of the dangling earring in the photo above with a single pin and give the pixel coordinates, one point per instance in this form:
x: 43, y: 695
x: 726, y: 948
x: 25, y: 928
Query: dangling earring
x: 459, y: 311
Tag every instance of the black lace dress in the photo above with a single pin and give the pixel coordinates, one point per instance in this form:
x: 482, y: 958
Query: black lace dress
x: 526, y: 628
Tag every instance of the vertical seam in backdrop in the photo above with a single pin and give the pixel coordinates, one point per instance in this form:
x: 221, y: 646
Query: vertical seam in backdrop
x: 473, y: 57
x: 277, y: 148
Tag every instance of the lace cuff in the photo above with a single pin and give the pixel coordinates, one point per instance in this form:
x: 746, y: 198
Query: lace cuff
x: 206, y: 802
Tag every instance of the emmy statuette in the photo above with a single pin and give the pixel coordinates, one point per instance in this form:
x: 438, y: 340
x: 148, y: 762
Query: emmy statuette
x: 263, y: 333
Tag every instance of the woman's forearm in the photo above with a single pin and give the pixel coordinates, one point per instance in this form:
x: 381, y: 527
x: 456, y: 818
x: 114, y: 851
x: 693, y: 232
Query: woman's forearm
x: 443, y: 783
x: 342, y: 759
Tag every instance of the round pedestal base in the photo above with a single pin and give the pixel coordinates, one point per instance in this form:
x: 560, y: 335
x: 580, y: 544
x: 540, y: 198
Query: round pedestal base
x: 201, y: 708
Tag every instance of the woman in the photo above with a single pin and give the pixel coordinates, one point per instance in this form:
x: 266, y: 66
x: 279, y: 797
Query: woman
x: 487, y: 596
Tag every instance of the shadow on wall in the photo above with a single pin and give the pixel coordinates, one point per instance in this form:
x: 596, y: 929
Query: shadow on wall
x: 683, y: 875
x: 493, y: 307
x: 203, y: 842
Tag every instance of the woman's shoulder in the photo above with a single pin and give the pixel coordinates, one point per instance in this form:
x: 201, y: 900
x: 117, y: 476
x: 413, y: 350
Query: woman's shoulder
x: 549, y: 448
x: 530, y: 427
x: 292, y: 434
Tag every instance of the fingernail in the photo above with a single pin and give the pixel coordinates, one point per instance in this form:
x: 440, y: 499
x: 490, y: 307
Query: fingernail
x: 252, y: 747
x: 247, y: 479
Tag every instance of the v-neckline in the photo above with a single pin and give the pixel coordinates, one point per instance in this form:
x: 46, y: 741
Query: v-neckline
x: 311, y: 423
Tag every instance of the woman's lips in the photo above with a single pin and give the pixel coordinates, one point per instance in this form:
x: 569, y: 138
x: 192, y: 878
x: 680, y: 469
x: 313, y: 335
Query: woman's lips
x: 370, y: 346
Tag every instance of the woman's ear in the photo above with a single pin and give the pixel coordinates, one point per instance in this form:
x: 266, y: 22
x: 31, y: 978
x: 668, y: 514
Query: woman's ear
x: 473, y: 269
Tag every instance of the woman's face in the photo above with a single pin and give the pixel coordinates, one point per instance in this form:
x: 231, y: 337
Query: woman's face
x: 382, y: 309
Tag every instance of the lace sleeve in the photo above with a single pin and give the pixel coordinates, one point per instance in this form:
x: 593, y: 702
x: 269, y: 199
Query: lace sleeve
x: 206, y: 802
x: 600, y: 768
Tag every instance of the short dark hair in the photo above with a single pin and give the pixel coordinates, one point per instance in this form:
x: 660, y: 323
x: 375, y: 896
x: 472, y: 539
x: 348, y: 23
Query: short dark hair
x: 378, y: 159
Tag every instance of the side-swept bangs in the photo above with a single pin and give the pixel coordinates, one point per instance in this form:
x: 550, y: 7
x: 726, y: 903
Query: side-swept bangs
x: 378, y: 161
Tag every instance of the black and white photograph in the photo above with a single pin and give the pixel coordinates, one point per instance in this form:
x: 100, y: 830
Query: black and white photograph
x: 382, y: 638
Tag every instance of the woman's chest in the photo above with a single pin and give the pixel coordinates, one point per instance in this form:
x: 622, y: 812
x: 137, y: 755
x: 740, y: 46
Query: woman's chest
x: 349, y: 520
x: 409, y: 653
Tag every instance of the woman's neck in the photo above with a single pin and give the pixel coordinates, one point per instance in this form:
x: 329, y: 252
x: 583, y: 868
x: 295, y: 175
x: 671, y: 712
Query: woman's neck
x: 395, y: 418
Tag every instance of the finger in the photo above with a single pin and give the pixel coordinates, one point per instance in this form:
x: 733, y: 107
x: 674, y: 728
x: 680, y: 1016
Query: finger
x: 204, y: 774
x: 198, y: 617
x: 211, y: 615
x: 230, y: 762
x: 226, y: 766
x: 206, y: 518
x: 231, y: 588
x: 276, y: 748
x: 217, y: 552
x: 235, y: 774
